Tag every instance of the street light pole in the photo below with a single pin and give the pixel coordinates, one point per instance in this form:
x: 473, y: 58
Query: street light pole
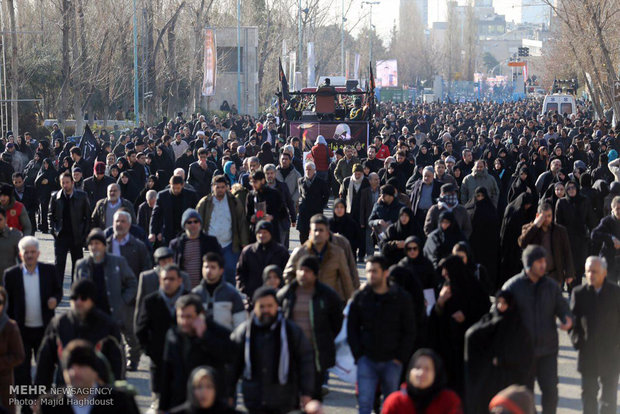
x: 135, y: 64
x: 300, y: 40
x: 239, y: 57
x: 370, y: 32
x: 342, y: 71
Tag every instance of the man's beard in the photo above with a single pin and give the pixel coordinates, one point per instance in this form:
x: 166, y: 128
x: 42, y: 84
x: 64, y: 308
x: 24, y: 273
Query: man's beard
x: 266, y: 319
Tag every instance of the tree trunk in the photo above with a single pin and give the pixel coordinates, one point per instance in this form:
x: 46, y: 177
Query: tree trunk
x: 14, y: 80
x: 76, y: 73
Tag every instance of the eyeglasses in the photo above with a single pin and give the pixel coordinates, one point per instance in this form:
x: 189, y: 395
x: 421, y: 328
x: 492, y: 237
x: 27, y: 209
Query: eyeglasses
x: 80, y: 297
x: 413, y: 249
x: 192, y: 221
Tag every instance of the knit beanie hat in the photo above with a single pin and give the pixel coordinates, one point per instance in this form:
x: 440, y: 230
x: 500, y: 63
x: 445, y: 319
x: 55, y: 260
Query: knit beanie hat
x: 96, y: 234
x: 516, y: 398
x: 532, y: 253
x: 188, y: 214
x: 264, y: 225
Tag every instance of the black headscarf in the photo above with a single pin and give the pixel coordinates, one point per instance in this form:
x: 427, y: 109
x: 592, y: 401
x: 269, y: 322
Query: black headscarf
x: 422, y: 398
x: 404, y: 231
x: 192, y: 405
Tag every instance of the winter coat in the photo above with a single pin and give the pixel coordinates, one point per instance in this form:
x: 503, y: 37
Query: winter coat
x: 334, y: 270
x: 475, y: 180
x: 561, y: 250
x: 381, y: 327
x: 253, y: 259
x: 596, y: 329
x: 499, y: 337
x: 263, y: 392
x: 224, y: 306
x: 325, y: 319
x: 399, y: 402
x: 63, y: 328
x: 538, y: 304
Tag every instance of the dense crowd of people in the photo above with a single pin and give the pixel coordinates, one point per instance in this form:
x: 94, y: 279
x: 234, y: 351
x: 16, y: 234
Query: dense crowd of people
x: 471, y: 219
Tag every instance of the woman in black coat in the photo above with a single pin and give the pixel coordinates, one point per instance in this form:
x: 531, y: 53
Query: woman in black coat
x: 45, y: 183
x: 342, y: 223
x: 461, y: 303
x: 498, y: 353
x: 202, y: 394
x: 518, y: 213
x: 575, y: 212
x: 421, y: 268
x: 265, y: 155
x: 522, y: 182
x: 396, y: 234
x: 484, y: 238
x: 403, y: 277
x: 503, y: 178
x: 129, y: 189
x: 440, y: 242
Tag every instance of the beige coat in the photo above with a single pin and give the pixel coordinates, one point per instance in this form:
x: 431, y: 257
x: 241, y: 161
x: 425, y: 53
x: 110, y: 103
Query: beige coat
x: 334, y: 270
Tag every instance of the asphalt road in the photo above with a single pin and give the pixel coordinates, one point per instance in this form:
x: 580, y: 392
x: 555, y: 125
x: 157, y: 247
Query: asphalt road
x: 341, y: 399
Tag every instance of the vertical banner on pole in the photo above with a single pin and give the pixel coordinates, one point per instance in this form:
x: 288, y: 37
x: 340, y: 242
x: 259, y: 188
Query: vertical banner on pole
x: 311, y: 74
x: 209, y: 64
x: 346, y: 65
x: 356, y: 71
x: 292, y: 65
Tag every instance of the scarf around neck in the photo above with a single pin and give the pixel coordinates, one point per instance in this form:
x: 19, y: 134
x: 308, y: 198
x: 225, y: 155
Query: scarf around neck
x: 283, y: 365
x: 354, y: 185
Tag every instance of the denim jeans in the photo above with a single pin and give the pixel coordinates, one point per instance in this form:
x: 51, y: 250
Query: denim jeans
x: 369, y: 374
x: 230, y: 263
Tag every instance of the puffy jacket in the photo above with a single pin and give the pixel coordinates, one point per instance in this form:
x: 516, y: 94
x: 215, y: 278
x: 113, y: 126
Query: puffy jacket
x: 225, y: 306
x: 539, y: 303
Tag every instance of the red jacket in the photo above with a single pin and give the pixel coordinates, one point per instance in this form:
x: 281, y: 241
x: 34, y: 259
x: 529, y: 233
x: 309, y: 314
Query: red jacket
x: 12, y: 216
x: 383, y: 152
x: 446, y: 402
x: 321, y: 156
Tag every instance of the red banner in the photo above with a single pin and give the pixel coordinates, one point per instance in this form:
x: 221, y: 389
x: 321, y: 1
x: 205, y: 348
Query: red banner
x: 209, y: 64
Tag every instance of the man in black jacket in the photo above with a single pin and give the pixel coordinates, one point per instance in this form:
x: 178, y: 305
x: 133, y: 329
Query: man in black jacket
x: 539, y: 301
x: 380, y: 332
x: 200, y: 174
x: 191, y: 343
x: 607, y: 233
x: 273, y: 357
x: 33, y: 293
x: 27, y: 195
x: 96, y: 187
x: 317, y: 310
x: 313, y: 197
x: 69, y: 217
x: 256, y: 256
x: 155, y: 318
x: 169, y: 207
x: 596, y: 335
x: 83, y: 321
x: 264, y: 203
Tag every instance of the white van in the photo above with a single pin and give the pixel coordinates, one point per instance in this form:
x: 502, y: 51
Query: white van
x: 562, y: 104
